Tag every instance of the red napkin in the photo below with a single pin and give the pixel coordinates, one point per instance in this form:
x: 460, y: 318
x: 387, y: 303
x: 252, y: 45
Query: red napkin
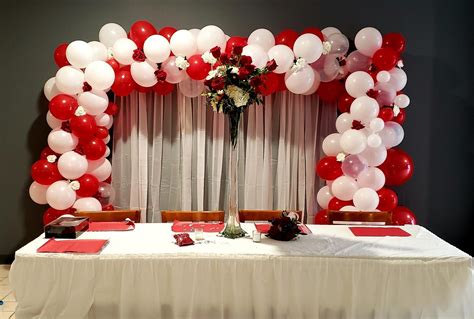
x: 82, y: 246
x: 111, y: 226
x: 379, y: 231
x: 264, y: 228
x: 179, y: 227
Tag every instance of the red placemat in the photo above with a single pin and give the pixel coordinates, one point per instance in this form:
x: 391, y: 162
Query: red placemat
x: 264, y: 228
x: 379, y: 231
x: 111, y: 226
x: 82, y: 246
x: 180, y: 227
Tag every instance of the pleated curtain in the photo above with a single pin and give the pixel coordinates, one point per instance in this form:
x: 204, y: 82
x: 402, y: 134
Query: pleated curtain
x: 171, y: 153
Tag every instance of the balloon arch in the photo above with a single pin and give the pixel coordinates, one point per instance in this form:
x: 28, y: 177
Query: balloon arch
x: 73, y: 171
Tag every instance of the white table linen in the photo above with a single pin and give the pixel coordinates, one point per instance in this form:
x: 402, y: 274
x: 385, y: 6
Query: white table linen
x: 328, y: 274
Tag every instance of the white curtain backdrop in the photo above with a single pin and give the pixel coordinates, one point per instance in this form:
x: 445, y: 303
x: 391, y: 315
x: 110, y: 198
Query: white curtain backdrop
x: 171, y: 152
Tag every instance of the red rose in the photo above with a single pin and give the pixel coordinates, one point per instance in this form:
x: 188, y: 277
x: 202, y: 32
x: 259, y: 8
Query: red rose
x: 243, y: 73
x: 218, y: 83
x: 216, y: 52
x: 357, y: 125
x: 207, y: 83
x: 256, y: 81
x: 250, y: 67
x: 86, y: 87
x: 138, y: 55
x: 271, y: 65
x: 245, y: 60
x: 237, y: 49
x: 160, y: 75
x: 224, y: 58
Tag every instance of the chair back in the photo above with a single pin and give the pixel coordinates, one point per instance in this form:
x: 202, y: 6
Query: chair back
x: 350, y: 218
x: 262, y: 214
x: 110, y: 215
x: 192, y: 216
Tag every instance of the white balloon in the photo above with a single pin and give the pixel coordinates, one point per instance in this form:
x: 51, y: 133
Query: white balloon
x: 103, y: 119
x: 364, y: 109
x: 100, y: 168
x: 52, y: 121
x: 50, y: 89
x: 87, y: 204
x: 61, y: 141
x: 79, y: 54
x: 38, y: 193
x: 107, y: 149
x: 300, y: 81
x: 349, y: 208
x: 344, y: 122
x: 344, y: 187
x: 99, y: 75
x: 99, y: 50
x: 72, y: 165
x: 109, y: 125
x: 183, y: 43
x: 315, y: 85
x: 173, y: 73
x: 324, y: 196
x: 373, y: 140
x: 209, y: 37
x: 377, y: 124
x: 309, y: 47
x: 385, y: 93
x: 69, y: 80
x: 375, y: 155
x: 392, y: 134
x: 263, y: 38
x: 398, y: 79
x: 123, y: 51
x: 366, y: 199
x: 283, y: 57
x: 190, y: 87
x: 60, y: 195
x: 195, y: 32
x: 328, y: 31
x: 358, y: 83
x: 156, y: 48
x: 106, y: 141
x: 368, y: 40
x: 372, y: 178
x: 356, y: 61
x: 94, y: 102
x: 339, y: 44
x: 383, y: 76
x: 110, y: 33
x: 402, y: 101
x: 353, y: 141
x: 143, y: 73
x: 331, y: 144
x: 258, y: 55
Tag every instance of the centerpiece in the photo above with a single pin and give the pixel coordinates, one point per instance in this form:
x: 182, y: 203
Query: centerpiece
x: 233, y: 84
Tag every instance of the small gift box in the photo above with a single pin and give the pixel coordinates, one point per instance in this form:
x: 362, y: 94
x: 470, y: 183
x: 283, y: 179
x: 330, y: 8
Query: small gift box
x: 183, y: 239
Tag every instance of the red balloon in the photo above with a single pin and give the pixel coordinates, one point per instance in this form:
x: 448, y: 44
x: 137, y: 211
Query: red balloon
x: 46, y: 152
x: 233, y: 41
x: 108, y: 180
x: 60, y: 55
x: 281, y: 82
x: 287, y: 37
x: 398, y: 167
x: 123, y: 84
x: 89, y: 185
x: 114, y: 64
x: 344, y: 102
x: 336, y: 204
x: 322, y: 217
x: 167, y: 32
x: 101, y: 132
x: 63, y: 106
x: 111, y: 109
x: 140, y: 31
x: 330, y: 91
x: 94, y: 148
x: 45, y: 173
x: 401, y: 117
x: 386, y: 114
x: 143, y: 89
x: 403, y: 216
x: 270, y: 84
x: 83, y: 126
x: 384, y: 59
x: 395, y: 41
x: 51, y: 214
x: 329, y: 168
x: 163, y: 88
x: 314, y: 31
x: 388, y: 199
x: 197, y: 69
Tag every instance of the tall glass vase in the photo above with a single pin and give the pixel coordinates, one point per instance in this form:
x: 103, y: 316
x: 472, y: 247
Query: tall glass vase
x: 232, y: 227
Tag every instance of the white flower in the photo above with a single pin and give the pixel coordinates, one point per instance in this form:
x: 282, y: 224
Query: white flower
x: 211, y: 74
x: 340, y: 157
x: 80, y: 111
x: 299, y: 64
x: 234, y: 70
x: 181, y: 62
x: 51, y: 158
x: 400, y: 64
x: 75, y: 185
x: 220, y: 92
x: 326, y: 47
x: 208, y: 58
x: 239, y: 96
x: 221, y: 69
x: 396, y: 110
x: 293, y: 215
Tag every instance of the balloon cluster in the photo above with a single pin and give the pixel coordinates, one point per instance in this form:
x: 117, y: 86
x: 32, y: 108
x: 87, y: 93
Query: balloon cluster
x: 362, y: 158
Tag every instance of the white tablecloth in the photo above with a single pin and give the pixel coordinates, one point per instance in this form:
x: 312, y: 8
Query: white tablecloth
x: 328, y: 274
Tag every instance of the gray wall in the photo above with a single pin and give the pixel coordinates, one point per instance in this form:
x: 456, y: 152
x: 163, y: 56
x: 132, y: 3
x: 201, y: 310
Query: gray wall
x: 438, y: 61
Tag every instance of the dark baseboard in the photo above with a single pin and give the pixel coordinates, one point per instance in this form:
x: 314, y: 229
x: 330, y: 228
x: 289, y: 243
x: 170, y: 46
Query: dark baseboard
x: 6, y: 259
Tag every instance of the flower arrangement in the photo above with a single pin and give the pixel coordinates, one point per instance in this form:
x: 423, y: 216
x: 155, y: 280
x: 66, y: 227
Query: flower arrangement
x: 284, y: 228
x: 233, y: 84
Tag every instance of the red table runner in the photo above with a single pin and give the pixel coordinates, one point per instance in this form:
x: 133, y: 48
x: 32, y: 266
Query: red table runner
x: 179, y: 227
x: 379, y: 231
x: 83, y: 246
x: 111, y: 226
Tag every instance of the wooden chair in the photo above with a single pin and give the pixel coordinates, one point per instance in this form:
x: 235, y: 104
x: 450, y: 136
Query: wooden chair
x: 261, y: 214
x: 192, y: 216
x: 110, y: 215
x: 344, y: 218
